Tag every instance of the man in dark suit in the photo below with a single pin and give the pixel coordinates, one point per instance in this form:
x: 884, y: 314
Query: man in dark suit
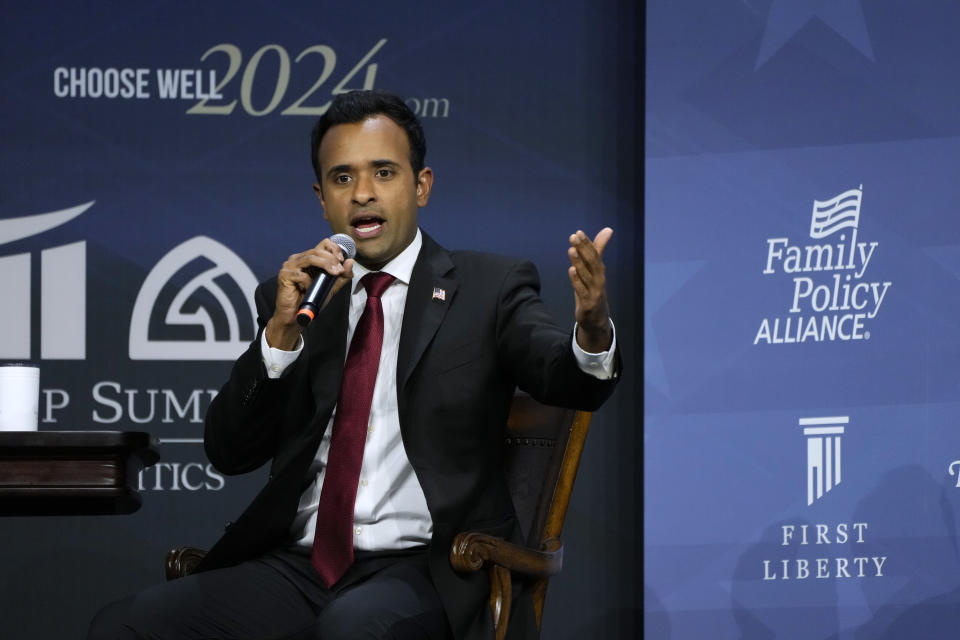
x: 404, y: 440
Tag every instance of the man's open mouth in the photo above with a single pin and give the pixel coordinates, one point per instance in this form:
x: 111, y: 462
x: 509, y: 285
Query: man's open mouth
x: 367, y: 226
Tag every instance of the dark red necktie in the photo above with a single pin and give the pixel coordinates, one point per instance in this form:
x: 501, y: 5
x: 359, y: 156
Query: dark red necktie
x: 333, y: 540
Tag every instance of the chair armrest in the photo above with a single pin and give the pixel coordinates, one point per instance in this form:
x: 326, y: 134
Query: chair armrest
x: 182, y: 561
x: 471, y: 551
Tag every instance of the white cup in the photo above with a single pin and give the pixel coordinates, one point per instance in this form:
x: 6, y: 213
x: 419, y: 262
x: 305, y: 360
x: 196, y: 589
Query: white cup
x: 19, y: 397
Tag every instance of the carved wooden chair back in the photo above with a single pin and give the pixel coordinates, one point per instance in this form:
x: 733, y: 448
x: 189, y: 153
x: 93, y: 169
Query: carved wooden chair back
x: 544, y: 445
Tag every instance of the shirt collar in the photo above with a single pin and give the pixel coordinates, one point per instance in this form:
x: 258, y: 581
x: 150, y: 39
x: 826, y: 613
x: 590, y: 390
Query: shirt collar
x: 401, y: 267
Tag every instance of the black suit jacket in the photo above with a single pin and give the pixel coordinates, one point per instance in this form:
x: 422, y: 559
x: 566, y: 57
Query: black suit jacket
x: 459, y: 363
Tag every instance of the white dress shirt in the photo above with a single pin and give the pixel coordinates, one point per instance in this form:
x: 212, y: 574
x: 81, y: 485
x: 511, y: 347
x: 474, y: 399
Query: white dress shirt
x: 390, y: 510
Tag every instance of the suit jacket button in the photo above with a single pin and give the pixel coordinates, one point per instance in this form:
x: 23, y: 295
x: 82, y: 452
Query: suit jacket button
x: 228, y: 525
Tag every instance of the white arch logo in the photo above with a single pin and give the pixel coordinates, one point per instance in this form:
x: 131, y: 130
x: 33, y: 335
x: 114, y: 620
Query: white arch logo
x: 63, y: 291
x: 179, y: 312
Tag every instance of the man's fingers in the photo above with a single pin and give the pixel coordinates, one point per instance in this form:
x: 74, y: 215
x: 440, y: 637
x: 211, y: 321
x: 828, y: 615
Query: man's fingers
x: 347, y: 272
x: 300, y: 269
x: 587, y: 273
x: 586, y: 255
x: 580, y: 265
x: 301, y: 279
x: 331, y: 247
x: 316, y: 258
x: 582, y: 252
x: 579, y: 288
x: 591, y: 251
x: 582, y: 243
x: 600, y: 242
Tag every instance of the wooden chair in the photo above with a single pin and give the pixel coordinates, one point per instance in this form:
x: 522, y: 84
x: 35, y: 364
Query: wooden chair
x: 543, y: 452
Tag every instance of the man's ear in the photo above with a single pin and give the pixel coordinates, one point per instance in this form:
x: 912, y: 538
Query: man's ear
x: 318, y: 190
x: 424, y: 185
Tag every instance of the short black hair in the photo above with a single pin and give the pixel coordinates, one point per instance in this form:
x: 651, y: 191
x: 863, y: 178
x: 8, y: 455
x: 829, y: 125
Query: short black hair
x: 357, y: 106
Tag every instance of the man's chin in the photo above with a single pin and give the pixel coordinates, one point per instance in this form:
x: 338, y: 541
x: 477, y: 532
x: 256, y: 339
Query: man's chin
x: 375, y: 253
x: 370, y: 258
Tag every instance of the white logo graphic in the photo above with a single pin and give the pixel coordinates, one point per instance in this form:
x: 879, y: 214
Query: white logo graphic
x: 185, y: 310
x: 954, y: 470
x: 823, y: 550
x: 831, y: 308
x: 841, y: 212
x: 823, y: 454
x: 63, y: 291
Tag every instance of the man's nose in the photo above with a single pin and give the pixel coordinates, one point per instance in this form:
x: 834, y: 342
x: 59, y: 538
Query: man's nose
x: 363, y: 192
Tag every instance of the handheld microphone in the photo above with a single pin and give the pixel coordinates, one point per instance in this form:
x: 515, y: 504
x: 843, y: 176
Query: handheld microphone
x: 321, y: 285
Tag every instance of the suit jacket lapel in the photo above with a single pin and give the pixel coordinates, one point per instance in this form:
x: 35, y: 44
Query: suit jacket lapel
x: 423, y: 311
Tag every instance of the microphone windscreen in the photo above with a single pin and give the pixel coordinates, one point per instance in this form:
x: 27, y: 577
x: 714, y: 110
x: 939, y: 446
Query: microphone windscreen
x: 346, y: 243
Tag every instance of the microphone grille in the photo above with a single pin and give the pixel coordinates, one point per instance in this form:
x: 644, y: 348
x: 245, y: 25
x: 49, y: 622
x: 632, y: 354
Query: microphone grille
x: 346, y: 243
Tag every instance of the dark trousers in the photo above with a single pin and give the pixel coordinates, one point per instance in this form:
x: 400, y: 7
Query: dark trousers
x: 280, y: 597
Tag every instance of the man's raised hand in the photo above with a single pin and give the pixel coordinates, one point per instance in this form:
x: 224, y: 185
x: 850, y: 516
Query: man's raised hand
x: 588, y: 277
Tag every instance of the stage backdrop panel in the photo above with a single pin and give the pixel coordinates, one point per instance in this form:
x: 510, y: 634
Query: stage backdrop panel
x: 802, y: 345
x: 156, y: 166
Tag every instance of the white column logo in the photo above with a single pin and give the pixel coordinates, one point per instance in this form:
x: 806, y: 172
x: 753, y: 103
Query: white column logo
x: 823, y: 454
x: 63, y: 291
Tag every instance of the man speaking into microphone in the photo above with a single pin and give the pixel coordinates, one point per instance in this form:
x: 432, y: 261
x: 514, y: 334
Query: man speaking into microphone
x: 383, y: 417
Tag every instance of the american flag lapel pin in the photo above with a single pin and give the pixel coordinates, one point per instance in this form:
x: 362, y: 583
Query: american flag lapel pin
x: 439, y: 294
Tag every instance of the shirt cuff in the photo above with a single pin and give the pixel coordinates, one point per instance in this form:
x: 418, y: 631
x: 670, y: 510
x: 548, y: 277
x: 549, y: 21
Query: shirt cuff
x: 276, y: 361
x: 598, y: 365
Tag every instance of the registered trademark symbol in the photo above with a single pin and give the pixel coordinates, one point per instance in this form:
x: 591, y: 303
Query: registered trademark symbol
x: 866, y: 335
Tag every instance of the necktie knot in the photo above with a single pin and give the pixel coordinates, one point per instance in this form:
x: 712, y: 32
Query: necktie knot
x: 376, y: 283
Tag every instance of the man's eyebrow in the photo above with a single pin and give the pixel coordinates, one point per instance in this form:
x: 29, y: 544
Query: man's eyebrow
x: 340, y: 168
x: 346, y: 168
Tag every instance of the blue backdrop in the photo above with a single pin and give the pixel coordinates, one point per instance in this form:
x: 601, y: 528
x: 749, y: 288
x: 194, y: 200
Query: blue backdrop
x: 802, y: 352
x: 156, y: 163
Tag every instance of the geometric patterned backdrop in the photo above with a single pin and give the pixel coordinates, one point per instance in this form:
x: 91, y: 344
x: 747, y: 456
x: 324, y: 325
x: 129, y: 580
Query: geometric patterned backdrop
x: 802, y: 296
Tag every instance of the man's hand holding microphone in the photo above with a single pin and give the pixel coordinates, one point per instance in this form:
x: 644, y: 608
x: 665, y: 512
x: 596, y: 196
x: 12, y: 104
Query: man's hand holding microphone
x: 300, y: 296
